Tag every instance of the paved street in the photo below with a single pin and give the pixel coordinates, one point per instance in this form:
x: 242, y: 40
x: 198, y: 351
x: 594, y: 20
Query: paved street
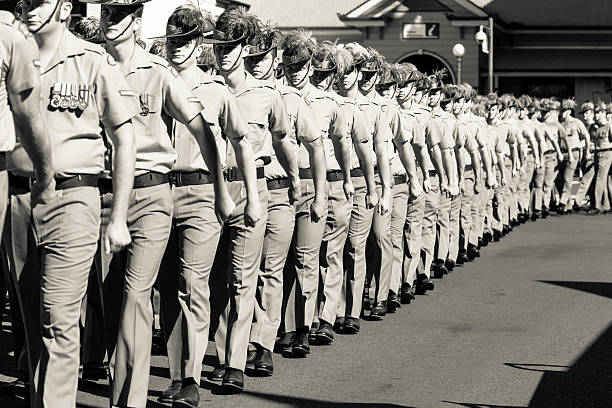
x: 528, y: 325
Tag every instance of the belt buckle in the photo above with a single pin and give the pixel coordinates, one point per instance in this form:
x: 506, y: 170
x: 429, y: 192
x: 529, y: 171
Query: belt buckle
x: 174, y: 178
x: 230, y: 174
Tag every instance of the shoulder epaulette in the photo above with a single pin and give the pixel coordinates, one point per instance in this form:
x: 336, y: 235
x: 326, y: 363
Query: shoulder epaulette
x: 219, y: 79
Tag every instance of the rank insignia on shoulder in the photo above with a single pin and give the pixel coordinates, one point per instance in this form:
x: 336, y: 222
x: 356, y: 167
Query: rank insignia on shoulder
x: 193, y: 99
x: 144, y: 105
x: 35, y: 62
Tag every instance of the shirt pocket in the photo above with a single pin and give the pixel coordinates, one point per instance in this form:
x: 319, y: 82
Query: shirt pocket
x: 258, y: 124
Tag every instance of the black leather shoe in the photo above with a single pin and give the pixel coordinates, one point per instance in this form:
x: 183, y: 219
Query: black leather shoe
x: 283, y: 345
x: 505, y: 230
x: 560, y: 209
x: 544, y: 212
x: 233, y: 380
x: 95, y: 371
x: 251, y: 357
x: 300, y: 346
x: 497, y: 236
x: 325, y: 333
x: 263, y: 363
x: 171, y: 392
x: 378, y: 311
x: 188, y: 397
x: 423, y: 285
x: 312, y: 335
x: 438, y: 269
x: 351, y: 325
x: 576, y: 207
x: 218, y: 373
x: 407, y: 293
x: 487, y: 237
x: 462, y: 258
x: 393, y: 302
x: 339, y: 325
x: 594, y: 212
x: 472, y: 252
x: 450, y: 265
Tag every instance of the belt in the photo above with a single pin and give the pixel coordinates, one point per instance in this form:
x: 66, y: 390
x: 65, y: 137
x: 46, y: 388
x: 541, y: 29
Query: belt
x: 192, y: 178
x: 151, y: 179
x: 234, y: 174
x: 278, y: 184
x: 399, y: 179
x: 549, y: 151
x: 356, y: 172
x: 2, y: 161
x: 605, y: 149
x: 334, y: 175
x: 105, y: 185
x: 80, y: 180
x: 469, y: 167
x: 23, y: 184
x: 432, y: 173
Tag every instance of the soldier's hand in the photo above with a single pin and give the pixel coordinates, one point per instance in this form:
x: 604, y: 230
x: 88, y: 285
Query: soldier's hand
x: 443, y: 188
x: 318, y: 209
x: 384, y: 205
x: 587, y: 155
x: 42, y: 192
x: 224, y: 207
x: 415, y: 189
x: 454, y: 190
x: 426, y: 186
x: 349, y: 190
x: 371, y: 199
x: 560, y: 156
x: 117, y: 237
x: 295, y: 191
x: 252, y: 213
x: 491, y: 181
x: 537, y: 163
x: 478, y: 186
x: 462, y: 186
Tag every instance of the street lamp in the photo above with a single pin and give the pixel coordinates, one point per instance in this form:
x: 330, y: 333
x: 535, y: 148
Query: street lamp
x: 459, y: 52
x: 484, y: 37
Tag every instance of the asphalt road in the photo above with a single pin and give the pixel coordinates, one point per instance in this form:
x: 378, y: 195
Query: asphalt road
x: 527, y: 325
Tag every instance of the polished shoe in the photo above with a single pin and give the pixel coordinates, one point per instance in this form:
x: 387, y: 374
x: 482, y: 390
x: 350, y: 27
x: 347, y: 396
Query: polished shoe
x: 218, y: 373
x: 472, y: 252
x: 544, y: 212
x: 351, y: 325
x: 171, y: 392
x: 438, y: 269
x: 576, y: 208
x: 251, y: 357
x: 487, y: 237
x: 283, y: 345
x: 450, y: 264
x: 393, y: 302
x: 480, y: 243
x: 379, y: 310
x: 233, y: 380
x: 423, y: 285
x: 462, y: 258
x: 505, y: 230
x: 95, y: 371
x: 325, y: 333
x: 535, y: 215
x: 18, y: 388
x: 497, y: 235
x: 594, y: 212
x: 312, y: 334
x: 301, y: 347
x: 188, y: 397
x: 263, y: 363
x: 560, y: 209
x: 339, y: 325
x: 407, y: 293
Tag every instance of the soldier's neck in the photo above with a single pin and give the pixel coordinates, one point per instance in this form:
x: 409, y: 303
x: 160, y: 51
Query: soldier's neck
x: 48, y: 43
x: 350, y: 93
x: 122, y: 51
x: 190, y: 74
x: 406, y: 104
x: 234, y: 79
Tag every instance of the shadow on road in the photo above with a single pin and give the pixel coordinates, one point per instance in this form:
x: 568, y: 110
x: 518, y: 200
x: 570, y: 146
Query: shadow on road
x: 472, y: 405
x: 312, y: 403
x: 603, y: 289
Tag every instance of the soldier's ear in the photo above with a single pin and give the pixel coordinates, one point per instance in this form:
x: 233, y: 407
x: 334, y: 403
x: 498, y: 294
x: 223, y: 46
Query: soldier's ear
x: 137, y: 22
x: 245, y: 50
x: 359, y: 76
x: 65, y: 10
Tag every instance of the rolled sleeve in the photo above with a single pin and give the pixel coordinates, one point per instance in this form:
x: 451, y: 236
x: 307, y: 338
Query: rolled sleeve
x: 179, y: 102
x: 359, y: 130
x: 116, y: 102
x: 278, y: 118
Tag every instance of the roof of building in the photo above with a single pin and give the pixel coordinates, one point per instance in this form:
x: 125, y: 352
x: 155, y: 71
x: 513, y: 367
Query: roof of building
x: 300, y: 13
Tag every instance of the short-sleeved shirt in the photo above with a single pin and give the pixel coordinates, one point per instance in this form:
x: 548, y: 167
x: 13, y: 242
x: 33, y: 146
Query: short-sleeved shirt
x: 355, y: 125
x: 400, y: 132
x: 222, y: 115
x: 330, y: 117
x: 163, y: 95
x: 19, y: 72
x: 304, y: 128
x: 264, y: 110
x: 602, y: 136
x: 91, y: 90
x: 446, y: 123
x: 574, y: 129
x: 376, y: 122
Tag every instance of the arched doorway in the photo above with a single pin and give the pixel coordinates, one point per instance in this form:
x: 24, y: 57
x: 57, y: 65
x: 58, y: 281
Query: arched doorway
x: 428, y: 62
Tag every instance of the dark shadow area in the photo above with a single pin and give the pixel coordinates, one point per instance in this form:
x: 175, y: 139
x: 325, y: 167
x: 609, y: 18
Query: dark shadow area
x: 162, y: 372
x: 541, y: 368
x: 312, y: 403
x: 472, y: 405
x: 596, y: 288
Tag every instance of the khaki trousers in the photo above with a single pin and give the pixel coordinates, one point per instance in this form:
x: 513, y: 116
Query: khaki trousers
x: 183, y: 279
x: 412, y: 235
x: 603, y: 161
x: 524, y: 185
x: 550, y: 174
x: 332, y: 252
x: 568, y: 179
x: 238, y: 273
x: 586, y: 182
x: 399, y: 219
x: 355, y: 253
x: 302, y: 268
x: 454, y: 226
x: 430, y: 216
x: 277, y: 241
x: 66, y: 236
x: 443, y: 227
x: 468, y: 219
x: 537, y: 189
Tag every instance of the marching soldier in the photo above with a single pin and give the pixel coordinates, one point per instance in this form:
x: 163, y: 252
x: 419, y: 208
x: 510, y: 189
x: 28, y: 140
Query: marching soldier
x: 588, y: 163
x: 531, y: 157
x: 602, y: 139
x: 537, y: 187
x: 195, y: 231
x: 264, y: 110
x: 553, y: 154
x: 576, y: 131
x: 83, y: 88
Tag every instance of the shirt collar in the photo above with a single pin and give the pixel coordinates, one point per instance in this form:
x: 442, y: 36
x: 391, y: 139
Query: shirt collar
x: 69, y: 46
x: 140, y: 59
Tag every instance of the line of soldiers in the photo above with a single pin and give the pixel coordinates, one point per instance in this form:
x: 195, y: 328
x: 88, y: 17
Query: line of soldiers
x: 273, y: 205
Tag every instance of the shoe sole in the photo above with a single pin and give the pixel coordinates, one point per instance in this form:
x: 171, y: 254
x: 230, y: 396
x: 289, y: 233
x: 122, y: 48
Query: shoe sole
x: 263, y: 371
x: 300, y: 352
x: 181, y: 404
x: 350, y: 330
x: 324, y: 339
x: 216, y: 379
x: 232, y: 387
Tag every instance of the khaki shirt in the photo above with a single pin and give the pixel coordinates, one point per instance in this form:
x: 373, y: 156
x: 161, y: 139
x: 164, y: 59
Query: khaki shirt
x: 355, y: 125
x: 263, y: 108
x: 575, y: 132
x: 223, y: 117
x: 603, y: 136
x: 330, y: 118
x: 19, y: 72
x: 376, y: 122
x: 303, y: 128
x: 399, y: 130
x: 84, y: 74
x: 163, y: 95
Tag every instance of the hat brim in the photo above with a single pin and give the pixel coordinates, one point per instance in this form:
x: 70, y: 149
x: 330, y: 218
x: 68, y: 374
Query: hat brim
x: 436, y: 89
x: 219, y: 41
x: 260, y: 53
x: 112, y: 3
x: 321, y: 69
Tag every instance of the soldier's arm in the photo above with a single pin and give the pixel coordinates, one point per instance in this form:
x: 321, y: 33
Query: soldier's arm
x: 363, y: 148
x: 308, y: 133
x: 382, y: 134
x: 282, y: 144
x: 433, y: 137
x: 460, y: 143
x: 124, y: 157
x: 406, y: 154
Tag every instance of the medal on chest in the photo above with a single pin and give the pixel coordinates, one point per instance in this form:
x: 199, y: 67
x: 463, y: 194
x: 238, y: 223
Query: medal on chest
x: 144, y: 105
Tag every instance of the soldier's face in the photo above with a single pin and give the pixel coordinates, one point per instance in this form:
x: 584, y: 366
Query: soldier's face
x: 322, y: 79
x: 405, y: 92
x: 493, y: 112
x: 367, y: 81
x: 458, y: 106
x: 229, y: 55
x: 600, y: 117
x: 41, y: 16
x: 588, y: 115
x: 261, y: 67
x: 386, y: 90
x: 181, y: 52
x: 523, y: 113
x: 434, y: 98
x: 297, y: 74
x: 349, y: 79
x: 118, y: 23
